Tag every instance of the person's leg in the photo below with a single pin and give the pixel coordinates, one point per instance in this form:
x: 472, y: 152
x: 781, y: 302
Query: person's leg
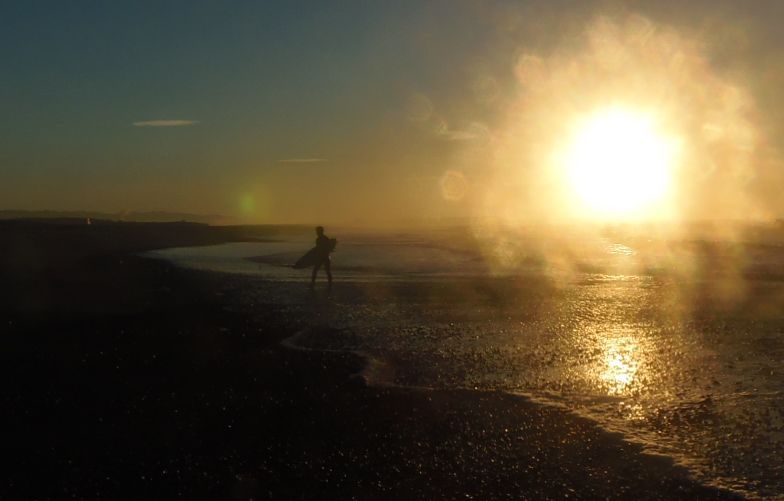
x: 313, y: 275
x: 328, y: 269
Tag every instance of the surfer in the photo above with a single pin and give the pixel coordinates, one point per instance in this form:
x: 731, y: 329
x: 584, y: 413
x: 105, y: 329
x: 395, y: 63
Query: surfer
x: 324, y: 246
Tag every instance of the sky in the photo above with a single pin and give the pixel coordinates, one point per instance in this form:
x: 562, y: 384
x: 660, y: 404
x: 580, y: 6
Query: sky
x: 370, y: 112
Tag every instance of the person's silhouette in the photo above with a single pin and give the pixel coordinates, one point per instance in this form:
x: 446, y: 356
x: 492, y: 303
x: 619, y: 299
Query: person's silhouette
x: 324, y: 246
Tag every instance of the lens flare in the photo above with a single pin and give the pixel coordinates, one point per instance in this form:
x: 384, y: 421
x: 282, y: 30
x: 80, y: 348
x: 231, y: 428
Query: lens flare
x: 453, y: 185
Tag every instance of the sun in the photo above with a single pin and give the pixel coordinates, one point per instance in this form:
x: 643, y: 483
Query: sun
x: 619, y: 165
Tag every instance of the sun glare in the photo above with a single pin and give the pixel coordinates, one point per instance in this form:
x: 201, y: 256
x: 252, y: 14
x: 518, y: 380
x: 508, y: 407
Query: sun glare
x: 619, y: 165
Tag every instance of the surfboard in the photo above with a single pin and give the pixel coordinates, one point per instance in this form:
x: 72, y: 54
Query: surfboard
x: 312, y: 256
x: 308, y: 260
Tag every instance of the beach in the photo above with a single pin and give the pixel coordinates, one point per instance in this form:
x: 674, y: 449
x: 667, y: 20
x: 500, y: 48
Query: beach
x: 392, y: 250
x: 127, y: 377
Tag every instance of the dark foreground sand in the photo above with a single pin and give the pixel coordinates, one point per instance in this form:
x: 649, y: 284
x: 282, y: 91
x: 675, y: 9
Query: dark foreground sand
x: 123, y: 377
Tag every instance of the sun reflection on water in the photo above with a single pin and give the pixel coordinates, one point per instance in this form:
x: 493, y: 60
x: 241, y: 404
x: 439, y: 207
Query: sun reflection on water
x: 620, y: 359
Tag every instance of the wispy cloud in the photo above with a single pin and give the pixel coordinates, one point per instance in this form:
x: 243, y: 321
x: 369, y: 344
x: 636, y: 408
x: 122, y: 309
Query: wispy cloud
x: 165, y: 123
x: 301, y: 160
x: 470, y: 132
x: 458, y: 135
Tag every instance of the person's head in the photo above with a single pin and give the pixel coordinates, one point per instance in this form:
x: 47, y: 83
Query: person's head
x: 319, y: 230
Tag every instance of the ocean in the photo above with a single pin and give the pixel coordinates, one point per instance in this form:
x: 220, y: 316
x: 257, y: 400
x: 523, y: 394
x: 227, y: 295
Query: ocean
x: 674, y: 339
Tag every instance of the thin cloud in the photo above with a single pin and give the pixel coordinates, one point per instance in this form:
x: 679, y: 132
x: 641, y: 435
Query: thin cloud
x: 165, y: 123
x: 301, y: 160
x: 459, y: 135
x: 471, y: 131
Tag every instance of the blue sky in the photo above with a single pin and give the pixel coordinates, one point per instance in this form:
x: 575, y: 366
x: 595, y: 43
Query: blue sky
x: 257, y: 86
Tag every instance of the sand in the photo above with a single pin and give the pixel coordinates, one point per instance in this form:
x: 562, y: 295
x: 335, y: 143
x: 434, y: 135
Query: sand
x: 123, y: 377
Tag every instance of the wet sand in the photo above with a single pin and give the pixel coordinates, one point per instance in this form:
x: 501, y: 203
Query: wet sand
x: 124, y: 377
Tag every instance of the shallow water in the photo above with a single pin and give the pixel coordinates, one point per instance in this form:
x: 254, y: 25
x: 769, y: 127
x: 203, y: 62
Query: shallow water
x: 676, y: 344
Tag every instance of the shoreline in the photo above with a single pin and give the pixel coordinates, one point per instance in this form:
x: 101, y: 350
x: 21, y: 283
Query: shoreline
x: 160, y: 388
x: 615, y: 449
x: 377, y: 373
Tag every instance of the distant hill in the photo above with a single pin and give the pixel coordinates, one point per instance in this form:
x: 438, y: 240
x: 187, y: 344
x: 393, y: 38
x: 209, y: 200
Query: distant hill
x: 143, y: 217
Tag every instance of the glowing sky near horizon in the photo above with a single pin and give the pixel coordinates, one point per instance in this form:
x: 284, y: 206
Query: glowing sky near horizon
x: 371, y: 112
